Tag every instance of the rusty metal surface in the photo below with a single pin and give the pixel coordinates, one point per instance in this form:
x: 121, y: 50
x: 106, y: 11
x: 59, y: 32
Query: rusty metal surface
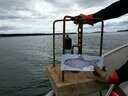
x: 80, y: 37
x: 59, y: 20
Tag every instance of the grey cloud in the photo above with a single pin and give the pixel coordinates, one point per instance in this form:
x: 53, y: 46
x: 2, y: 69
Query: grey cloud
x: 8, y: 17
x: 123, y: 23
x: 64, y: 7
x: 58, y: 3
x: 9, y: 9
x: 80, y: 3
x: 7, y: 28
x: 13, y: 4
x: 90, y: 3
x: 119, y: 23
x: 60, y: 6
x: 94, y: 3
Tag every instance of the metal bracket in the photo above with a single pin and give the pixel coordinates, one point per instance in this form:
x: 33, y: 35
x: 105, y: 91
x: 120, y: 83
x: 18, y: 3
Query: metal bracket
x: 80, y: 37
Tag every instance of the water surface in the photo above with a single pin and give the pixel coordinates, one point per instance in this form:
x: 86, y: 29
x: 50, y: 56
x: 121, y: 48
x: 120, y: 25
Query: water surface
x: 23, y: 60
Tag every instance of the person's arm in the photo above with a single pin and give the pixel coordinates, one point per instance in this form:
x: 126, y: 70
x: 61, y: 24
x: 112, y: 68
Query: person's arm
x: 115, y: 77
x: 114, y: 10
x: 122, y: 73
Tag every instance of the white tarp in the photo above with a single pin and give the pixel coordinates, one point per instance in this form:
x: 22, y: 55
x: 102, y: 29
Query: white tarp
x: 74, y: 62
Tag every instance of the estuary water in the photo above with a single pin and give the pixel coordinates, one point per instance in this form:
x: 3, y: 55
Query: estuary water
x: 23, y: 60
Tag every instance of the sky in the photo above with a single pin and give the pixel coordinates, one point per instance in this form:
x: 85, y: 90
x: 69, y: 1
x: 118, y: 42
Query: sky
x: 37, y: 16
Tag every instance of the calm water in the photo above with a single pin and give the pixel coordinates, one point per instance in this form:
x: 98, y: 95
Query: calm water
x: 23, y: 60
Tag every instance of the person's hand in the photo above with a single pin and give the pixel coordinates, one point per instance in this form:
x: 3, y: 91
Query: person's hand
x: 101, y: 75
x: 104, y: 76
x: 88, y: 19
x: 83, y: 16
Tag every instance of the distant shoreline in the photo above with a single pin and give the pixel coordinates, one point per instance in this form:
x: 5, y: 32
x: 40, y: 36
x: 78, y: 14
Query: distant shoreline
x: 33, y: 34
x: 122, y: 30
x: 45, y: 34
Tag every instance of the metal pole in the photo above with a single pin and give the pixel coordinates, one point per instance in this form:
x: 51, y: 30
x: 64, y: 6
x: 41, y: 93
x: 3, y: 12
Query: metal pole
x: 101, y: 41
x: 54, y: 40
x: 64, y: 27
x: 102, y: 31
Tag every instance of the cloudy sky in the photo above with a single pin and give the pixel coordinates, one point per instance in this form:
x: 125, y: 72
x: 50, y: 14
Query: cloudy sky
x: 37, y: 16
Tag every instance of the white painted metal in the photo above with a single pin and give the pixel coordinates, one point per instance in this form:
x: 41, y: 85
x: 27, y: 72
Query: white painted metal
x: 112, y: 60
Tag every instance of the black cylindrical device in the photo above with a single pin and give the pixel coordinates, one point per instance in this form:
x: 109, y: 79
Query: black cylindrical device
x: 68, y: 44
